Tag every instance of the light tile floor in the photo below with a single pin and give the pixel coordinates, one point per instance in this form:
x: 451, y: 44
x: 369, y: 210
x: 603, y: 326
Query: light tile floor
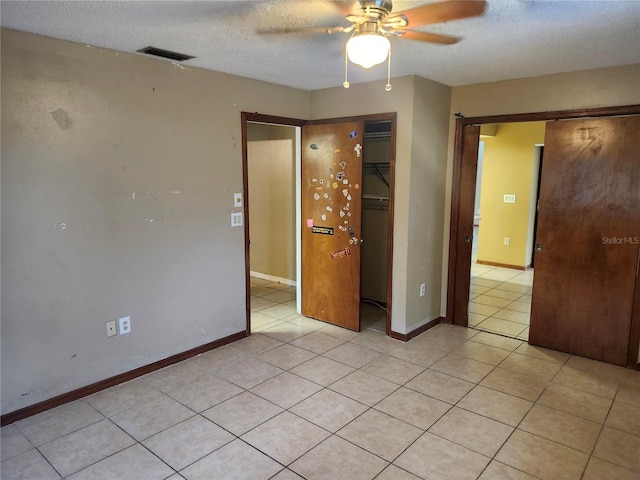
x: 303, y: 399
x: 500, y: 300
x: 266, y: 295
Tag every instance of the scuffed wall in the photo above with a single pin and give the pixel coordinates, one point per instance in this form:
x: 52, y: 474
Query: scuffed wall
x: 118, y: 174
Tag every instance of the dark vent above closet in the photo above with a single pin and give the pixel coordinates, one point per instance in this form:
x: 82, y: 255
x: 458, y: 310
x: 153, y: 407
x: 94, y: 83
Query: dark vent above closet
x: 159, y: 52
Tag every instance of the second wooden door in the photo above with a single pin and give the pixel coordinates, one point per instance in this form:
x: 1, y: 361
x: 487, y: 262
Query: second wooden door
x: 588, y: 238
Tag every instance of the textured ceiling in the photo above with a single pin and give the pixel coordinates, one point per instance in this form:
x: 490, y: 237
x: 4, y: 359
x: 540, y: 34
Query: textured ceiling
x: 514, y: 39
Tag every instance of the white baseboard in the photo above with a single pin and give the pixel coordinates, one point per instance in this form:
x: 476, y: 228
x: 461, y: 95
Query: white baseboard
x: 273, y: 278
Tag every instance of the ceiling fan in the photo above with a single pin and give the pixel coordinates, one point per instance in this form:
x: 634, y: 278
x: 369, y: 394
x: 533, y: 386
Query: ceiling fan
x: 372, y: 26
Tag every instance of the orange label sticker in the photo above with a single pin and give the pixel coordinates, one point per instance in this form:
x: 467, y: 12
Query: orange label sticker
x: 345, y: 252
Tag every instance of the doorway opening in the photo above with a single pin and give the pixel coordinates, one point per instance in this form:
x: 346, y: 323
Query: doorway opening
x: 273, y: 164
x: 461, y: 232
x: 272, y: 181
x: 505, y: 206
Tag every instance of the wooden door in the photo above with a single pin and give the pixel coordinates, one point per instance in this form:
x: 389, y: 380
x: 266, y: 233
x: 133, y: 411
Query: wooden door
x: 462, y: 235
x: 331, y: 222
x: 589, y: 236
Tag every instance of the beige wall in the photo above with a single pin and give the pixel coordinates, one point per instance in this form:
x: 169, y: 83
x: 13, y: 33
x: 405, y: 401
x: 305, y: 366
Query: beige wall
x: 421, y: 149
x: 366, y: 99
x: 272, y: 200
x: 508, y: 168
x: 426, y: 205
x: 587, y: 89
x: 566, y: 91
x: 118, y: 174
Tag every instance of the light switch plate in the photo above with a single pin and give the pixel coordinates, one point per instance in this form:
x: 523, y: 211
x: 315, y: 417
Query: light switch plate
x: 236, y: 219
x: 237, y: 200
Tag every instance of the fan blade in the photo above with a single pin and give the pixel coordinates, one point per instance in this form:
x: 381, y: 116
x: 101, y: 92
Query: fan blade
x: 304, y: 30
x: 440, y: 12
x: 427, y: 37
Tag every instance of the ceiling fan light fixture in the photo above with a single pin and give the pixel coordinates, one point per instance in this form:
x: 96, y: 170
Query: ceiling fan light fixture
x: 368, y: 49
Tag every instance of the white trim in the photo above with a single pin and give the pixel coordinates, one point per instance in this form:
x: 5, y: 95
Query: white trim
x: 273, y: 278
x: 298, y: 160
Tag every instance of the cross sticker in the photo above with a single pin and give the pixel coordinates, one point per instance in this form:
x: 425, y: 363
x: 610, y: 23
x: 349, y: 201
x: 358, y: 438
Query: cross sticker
x: 358, y: 149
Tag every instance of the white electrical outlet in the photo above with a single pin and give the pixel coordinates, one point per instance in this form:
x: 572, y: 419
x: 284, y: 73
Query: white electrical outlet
x: 423, y: 289
x: 507, y: 240
x: 125, y: 325
x: 111, y: 328
x: 237, y: 200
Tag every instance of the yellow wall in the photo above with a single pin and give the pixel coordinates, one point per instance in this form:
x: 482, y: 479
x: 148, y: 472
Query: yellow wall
x: 509, y: 168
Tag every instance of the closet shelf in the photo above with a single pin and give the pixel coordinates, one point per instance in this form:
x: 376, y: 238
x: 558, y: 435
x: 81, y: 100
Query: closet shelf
x: 381, y: 166
x: 377, y: 134
x: 379, y: 198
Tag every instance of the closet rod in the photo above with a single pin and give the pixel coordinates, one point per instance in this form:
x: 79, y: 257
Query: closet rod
x: 376, y: 169
x: 381, y: 177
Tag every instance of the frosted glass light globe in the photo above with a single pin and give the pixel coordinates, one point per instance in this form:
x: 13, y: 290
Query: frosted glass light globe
x: 368, y: 49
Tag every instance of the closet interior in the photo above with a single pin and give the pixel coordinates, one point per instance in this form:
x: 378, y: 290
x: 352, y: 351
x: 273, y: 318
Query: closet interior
x: 375, y: 212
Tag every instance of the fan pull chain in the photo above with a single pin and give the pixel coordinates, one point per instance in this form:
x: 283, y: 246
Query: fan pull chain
x: 346, y: 83
x: 388, y: 87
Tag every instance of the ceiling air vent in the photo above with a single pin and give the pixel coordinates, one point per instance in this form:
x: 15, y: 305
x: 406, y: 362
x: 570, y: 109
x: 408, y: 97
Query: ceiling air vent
x: 159, y: 52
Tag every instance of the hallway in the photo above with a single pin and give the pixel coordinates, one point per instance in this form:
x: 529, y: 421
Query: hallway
x: 500, y: 300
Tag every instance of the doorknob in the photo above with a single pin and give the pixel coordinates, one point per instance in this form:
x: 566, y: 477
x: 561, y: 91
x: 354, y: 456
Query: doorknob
x: 468, y: 238
x: 539, y: 246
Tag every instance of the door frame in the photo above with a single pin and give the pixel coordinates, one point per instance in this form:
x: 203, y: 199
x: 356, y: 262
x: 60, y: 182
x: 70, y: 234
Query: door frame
x: 457, y: 193
x: 535, y: 220
x: 247, y: 117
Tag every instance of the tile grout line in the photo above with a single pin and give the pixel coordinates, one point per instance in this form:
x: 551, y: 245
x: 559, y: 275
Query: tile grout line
x: 449, y: 351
